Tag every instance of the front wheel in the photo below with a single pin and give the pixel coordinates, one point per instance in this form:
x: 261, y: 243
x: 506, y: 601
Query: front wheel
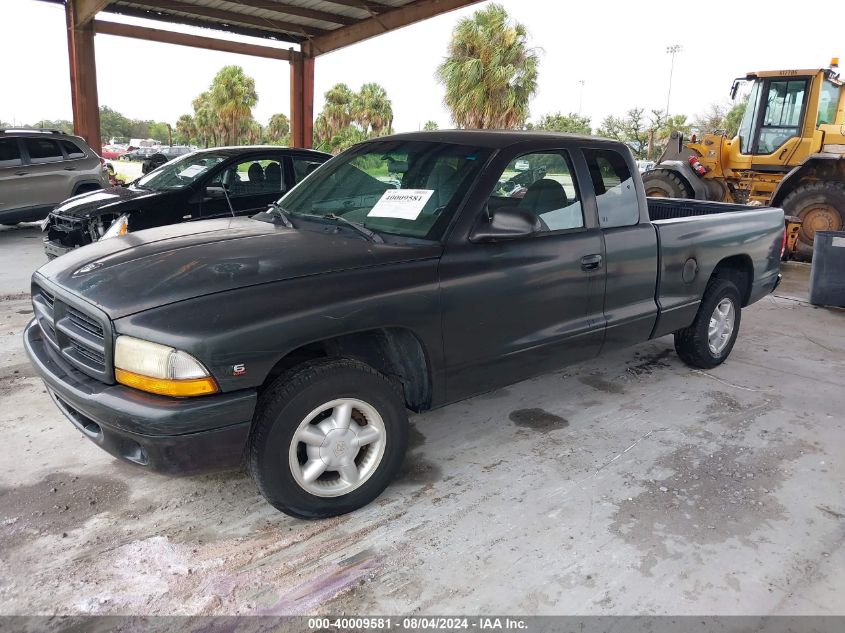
x: 709, y: 340
x: 328, y: 438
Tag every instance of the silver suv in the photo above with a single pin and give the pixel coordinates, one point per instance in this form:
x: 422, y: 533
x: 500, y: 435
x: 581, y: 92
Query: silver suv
x: 41, y: 168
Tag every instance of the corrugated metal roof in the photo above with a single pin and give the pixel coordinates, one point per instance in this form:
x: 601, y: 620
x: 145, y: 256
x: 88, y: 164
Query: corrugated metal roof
x: 284, y: 20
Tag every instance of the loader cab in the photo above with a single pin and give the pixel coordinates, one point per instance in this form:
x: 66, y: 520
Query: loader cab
x: 785, y: 108
x: 774, y: 115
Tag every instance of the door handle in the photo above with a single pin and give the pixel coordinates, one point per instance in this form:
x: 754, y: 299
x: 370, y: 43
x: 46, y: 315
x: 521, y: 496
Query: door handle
x: 591, y: 262
x: 21, y: 173
x: 70, y: 168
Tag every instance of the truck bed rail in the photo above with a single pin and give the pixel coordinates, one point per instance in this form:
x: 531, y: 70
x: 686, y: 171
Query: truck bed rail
x: 674, y: 208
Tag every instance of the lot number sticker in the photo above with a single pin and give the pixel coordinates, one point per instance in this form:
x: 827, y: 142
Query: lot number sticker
x: 405, y: 204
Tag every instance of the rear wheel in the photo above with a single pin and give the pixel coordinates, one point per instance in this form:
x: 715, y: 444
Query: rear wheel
x: 821, y: 207
x: 663, y: 183
x: 711, y: 337
x: 86, y: 188
x: 328, y: 438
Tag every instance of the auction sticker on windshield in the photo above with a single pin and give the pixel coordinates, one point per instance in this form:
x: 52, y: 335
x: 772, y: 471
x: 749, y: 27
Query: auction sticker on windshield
x: 405, y: 204
x: 190, y: 172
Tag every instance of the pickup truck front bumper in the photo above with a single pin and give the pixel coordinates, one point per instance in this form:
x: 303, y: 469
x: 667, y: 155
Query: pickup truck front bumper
x: 168, y: 435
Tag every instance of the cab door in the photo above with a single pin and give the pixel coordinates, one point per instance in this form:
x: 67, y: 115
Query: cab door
x: 520, y: 307
x: 771, y: 130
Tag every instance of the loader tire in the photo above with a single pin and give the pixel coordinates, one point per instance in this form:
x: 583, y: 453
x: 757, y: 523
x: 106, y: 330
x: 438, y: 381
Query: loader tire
x: 663, y: 183
x: 821, y: 207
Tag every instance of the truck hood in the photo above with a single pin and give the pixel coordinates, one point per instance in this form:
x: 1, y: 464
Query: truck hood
x: 173, y: 263
x: 111, y: 200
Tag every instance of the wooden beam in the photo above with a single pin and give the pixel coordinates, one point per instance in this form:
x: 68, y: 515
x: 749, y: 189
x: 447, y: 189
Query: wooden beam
x: 388, y: 21
x: 302, y: 101
x: 196, y: 41
x: 370, y: 6
x: 83, y: 79
x: 85, y: 10
x: 168, y: 6
x: 302, y: 12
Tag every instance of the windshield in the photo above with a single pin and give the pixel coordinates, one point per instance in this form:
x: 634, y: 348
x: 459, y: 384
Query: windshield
x: 405, y: 188
x: 180, y: 172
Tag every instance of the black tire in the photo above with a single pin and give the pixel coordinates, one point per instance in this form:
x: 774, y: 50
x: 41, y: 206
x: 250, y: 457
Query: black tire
x: 821, y: 207
x: 664, y: 183
x: 289, y: 400
x: 692, y: 343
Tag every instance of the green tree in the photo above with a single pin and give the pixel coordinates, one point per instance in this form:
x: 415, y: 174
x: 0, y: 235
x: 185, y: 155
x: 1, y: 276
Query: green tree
x: 186, y: 129
x: 734, y: 117
x: 490, y: 72
x: 114, y: 124
x: 233, y: 95
x: 337, y: 111
x: 206, y: 121
x: 278, y: 129
x: 558, y: 122
x: 372, y: 109
x: 431, y: 125
x: 632, y: 129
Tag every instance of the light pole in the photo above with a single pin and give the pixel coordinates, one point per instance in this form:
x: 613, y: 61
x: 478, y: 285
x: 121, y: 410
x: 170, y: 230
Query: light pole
x: 675, y: 48
x: 580, y: 96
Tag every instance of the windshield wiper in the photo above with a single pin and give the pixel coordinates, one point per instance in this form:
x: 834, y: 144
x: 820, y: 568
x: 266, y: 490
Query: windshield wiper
x: 363, y: 230
x: 277, y: 211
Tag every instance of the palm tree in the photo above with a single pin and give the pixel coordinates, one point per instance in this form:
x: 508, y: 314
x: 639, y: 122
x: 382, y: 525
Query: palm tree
x: 278, y: 129
x: 372, y: 109
x: 490, y: 73
x: 431, y: 125
x: 186, y: 129
x: 206, y: 120
x: 338, y: 109
x: 233, y: 97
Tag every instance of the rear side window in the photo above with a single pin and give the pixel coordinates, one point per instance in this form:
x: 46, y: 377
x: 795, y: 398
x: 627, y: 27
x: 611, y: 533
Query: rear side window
x: 304, y: 166
x: 42, y: 150
x: 72, y: 150
x: 10, y: 154
x: 616, y: 195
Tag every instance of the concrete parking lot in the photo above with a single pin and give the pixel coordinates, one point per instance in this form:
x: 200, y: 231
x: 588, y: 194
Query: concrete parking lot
x: 630, y: 484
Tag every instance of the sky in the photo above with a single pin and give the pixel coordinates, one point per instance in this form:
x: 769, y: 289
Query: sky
x: 616, y: 47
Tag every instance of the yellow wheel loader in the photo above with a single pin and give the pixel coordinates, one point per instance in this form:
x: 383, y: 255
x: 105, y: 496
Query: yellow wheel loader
x: 789, y: 152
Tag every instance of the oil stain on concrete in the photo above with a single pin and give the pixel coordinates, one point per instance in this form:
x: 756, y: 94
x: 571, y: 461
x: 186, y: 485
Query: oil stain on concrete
x: 538, y: 420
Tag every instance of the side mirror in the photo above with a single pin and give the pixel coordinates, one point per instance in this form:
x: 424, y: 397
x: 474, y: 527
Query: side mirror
x: 215, y: 192
x: 506, y: 224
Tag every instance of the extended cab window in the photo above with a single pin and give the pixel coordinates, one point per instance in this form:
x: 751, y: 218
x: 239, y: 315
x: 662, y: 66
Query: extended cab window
x: 616, y: 196
x: 542, y: 184
x: 42, y: 150
x: 10, y: 154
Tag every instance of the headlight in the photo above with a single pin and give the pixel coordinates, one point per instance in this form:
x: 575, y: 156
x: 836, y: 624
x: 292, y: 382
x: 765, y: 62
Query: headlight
x: 160, y: 369
x: 117, y: 228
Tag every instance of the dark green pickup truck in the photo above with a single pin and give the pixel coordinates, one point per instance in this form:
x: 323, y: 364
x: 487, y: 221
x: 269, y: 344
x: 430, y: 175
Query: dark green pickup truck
x: 407, y: 273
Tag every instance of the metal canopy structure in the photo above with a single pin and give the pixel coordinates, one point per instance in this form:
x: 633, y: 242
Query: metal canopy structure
x: 316, y: 26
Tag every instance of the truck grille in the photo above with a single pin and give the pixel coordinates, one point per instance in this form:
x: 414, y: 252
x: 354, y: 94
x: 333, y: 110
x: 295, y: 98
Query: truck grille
x: 76, y: 330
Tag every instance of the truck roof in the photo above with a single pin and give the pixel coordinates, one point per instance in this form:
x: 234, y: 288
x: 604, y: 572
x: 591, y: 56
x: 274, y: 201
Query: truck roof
x: 496, y: 139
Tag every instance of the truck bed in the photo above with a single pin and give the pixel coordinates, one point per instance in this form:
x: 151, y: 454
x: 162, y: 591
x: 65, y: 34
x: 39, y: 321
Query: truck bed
x: 694, y: 236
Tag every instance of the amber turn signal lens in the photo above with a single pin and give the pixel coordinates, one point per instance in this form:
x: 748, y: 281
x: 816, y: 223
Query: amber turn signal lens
x: 165, y: 387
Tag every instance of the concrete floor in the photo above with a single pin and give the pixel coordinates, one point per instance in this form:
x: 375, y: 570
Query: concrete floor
x: 631, y: 484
